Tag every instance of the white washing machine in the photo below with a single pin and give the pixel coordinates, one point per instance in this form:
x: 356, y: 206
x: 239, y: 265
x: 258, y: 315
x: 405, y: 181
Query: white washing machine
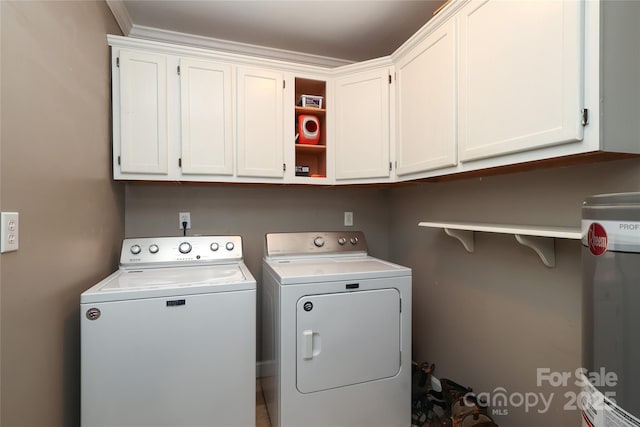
x: 336, y: 333
x: 169, y: 339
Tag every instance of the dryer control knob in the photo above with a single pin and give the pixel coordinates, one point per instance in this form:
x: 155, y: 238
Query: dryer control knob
x: 214, y: 246
x: 154, y: 249
x: 354, y: 240
x: 136, y: 249
x: 184, y: 248
x: 342, y: 241
x: 319, y: 242
x: 230, y: 246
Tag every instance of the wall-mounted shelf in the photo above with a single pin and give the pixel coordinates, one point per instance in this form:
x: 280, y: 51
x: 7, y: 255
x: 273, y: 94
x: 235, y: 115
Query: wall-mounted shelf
x: 309, y: 110
x: 310, y: 148
x: 538, y: 238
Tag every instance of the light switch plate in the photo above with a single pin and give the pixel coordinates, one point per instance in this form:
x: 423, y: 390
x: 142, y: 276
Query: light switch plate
x: 9, y: 231
x: 348, y: 219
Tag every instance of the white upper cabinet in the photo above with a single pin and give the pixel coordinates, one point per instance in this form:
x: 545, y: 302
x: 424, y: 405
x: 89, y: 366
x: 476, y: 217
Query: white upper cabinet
x: 206, y: 117
x: 426, y: 103
x: 260, y: 123
x: 142, y: 134
x: 362, y: 125
x: 484, y: 84
x: 520, y: 76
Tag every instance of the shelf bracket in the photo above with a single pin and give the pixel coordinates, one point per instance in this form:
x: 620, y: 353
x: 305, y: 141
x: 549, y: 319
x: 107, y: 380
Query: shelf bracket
x: 464, y: 236
x: 543, y: 246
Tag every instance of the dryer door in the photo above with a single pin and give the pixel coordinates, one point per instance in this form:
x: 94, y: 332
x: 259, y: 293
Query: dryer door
x: 347, y: 338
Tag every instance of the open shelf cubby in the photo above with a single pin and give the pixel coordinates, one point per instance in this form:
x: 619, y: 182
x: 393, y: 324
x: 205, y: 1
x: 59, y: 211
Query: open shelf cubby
x: 311, y: 156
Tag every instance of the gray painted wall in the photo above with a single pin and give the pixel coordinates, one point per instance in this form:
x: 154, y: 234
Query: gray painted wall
x: 490, y: 319
x: 56, y: 173
x: 252, y: 211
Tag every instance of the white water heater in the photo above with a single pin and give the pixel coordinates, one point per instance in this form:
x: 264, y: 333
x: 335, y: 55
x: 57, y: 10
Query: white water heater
x: 611, y: 291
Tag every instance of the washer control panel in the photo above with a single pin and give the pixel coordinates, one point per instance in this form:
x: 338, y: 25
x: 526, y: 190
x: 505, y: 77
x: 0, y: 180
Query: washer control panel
x: 322, y: 242
x: 180, y: 250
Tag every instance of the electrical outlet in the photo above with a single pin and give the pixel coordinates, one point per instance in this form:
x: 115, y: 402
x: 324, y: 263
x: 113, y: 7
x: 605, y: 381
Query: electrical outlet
x: 348, y: 219
x: 9, y: 231
x: 184, y: 217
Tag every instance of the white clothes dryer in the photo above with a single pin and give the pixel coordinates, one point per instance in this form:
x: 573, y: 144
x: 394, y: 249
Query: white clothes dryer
x: 336, y: 333
x: 169, y: 339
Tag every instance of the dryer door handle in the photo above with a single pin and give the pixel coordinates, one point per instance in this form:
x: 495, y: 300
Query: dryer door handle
x: 307, y: 344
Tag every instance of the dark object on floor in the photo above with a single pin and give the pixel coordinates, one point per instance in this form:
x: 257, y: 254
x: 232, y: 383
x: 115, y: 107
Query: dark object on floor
x: 454, y: 406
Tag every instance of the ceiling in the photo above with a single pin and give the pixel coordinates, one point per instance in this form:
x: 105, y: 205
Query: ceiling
x: 354, y: 30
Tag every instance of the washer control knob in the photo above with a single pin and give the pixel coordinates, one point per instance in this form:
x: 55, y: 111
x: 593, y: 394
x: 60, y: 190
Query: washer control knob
x: 230, y: 246
x: 184, y: 248
x: 342, y: 241
x: 154, y: 249
x: 214, y: 246
x: 136, y: 249
x: 354, y: 240
x: 319, y: 242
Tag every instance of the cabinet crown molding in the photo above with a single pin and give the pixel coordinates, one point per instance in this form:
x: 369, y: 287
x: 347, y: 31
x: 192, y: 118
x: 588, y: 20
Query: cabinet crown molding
x: 429, y: 27
x: 136, y: 43
x: 119, y: 12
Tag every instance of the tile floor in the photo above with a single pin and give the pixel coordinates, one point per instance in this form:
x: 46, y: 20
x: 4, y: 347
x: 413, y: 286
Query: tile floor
x: 262, y: 417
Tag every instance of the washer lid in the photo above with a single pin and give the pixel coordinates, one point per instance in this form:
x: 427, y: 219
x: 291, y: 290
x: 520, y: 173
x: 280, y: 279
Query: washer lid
x: 321, y: 269
x: 128, y: 284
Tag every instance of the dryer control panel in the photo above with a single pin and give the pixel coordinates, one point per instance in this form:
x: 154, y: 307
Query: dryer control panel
x: 189, y: 250
x: 316, y: 243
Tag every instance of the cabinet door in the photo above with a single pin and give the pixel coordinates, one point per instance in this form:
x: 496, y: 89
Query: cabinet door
x: 362, y: 125
x: 143, y: 113
x: 206, y: 117
x: 260, y: 123
x: 426, y: 104
x: 521, y: 79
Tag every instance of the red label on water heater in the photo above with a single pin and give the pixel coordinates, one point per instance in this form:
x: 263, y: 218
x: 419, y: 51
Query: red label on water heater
x: 597, y: 239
